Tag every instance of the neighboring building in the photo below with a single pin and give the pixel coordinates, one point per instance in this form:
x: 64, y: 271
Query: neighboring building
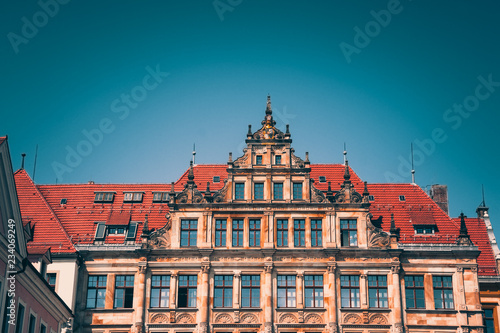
x: 266, y: 243
x: 27, y: 302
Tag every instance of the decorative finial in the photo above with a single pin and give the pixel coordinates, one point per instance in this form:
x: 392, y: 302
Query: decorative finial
x: 394, y: 231
x: 345, y: 154
x: 287, y: 129
x: 483, y: 204
x: 307, y: 157
x: 191, y: 173
x: 145, y: 228
x: 463, y: 238
x: 365, y: 191
x: 22, y: 161
x: 249, y: 134
x: 347, y: 175
x: 268, y: 106
x: 194, y: 153
x: 463, y: 227
x: 230, y: 157
x: 412, y: 168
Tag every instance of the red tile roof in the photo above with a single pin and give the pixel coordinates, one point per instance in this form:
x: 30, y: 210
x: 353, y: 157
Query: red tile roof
x: 2, y: 139
x: 61, y: 226
x: 118, y: 218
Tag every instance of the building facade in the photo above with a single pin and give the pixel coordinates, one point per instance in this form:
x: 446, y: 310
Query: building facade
x: 266, y: 243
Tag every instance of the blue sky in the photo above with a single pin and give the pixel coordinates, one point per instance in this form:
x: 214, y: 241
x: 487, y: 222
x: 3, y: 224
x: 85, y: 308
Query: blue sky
x: 147, y: 79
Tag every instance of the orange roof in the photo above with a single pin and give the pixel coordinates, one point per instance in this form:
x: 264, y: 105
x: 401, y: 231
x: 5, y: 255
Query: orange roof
x: 2, y: 139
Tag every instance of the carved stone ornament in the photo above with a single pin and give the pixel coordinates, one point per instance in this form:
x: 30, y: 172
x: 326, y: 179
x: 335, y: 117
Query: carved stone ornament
x: 378, y: 319
x: 288, y: 318
x: 159, y: 318
x: 241, y: 161
x: 317, y: 195
x: 376, y: 236
x: 203, y: 327
x: 184, y: 318
x: 249, y: 318
x: 352, y: 318
x: 332, y: 327
x: 313, y: 318
x: 224, y: 318
x: 297, y: 161
x: 398, y: 328
x: 160, y: 238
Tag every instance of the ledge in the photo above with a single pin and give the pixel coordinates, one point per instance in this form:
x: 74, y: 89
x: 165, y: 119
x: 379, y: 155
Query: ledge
x: 439, y: 311
x: 300, y: 309
x: 122, y: 310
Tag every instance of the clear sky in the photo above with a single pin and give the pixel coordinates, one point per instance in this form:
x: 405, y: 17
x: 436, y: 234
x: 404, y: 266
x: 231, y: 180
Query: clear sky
x: 118, y: 91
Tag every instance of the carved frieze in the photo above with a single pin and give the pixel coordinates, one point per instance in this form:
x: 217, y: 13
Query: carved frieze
x: 159, y: 318
x: 249, y: 318
x: 352, y: 318
x: 288, y: 318
x: 378, y: 319
x: 223, y: 318
x: 313, y: 318
x: 184, y: 318
x: 317, y: 195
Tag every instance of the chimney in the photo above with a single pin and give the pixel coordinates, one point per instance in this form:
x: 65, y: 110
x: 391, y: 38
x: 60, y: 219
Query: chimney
x: 439, y: 193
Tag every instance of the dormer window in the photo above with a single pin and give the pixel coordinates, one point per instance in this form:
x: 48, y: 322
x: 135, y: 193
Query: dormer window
x: 132, y: 196
x: 371, y: 198
x: 425, y: 229
x: 116, y: 230
x: 216, y: 179
x: 258, y: 159
x: 160, y: 197
x: 104, y: 197
x: 402, y: 198
x: 277, y: 159
x: 64, y: 201
x: 322, y: 179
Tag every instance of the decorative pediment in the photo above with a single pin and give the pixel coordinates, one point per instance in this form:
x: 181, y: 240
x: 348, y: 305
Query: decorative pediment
x: 317, y: 195
x: 161, y: 238
x: 376, y: 236
x: 190, y: 194
x: 220, y: 195
x: 347, y: 193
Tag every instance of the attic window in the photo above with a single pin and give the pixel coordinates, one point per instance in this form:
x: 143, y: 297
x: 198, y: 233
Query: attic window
x: 116, y: 230
x: 104, y: 197
x: 64, y: 201
x: 132, y: 230
x: 100, y: 231
x: 402, y: 198
x: 425, y: 229
x: 216, y: 179
x: 258, y: 160
x: 132, y: 197
x: 160, y: 197
x: 371, y: 198
x: 322, y: 179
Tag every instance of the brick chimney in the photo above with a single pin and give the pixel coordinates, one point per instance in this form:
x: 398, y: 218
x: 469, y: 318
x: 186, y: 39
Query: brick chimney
x: 439, y: 193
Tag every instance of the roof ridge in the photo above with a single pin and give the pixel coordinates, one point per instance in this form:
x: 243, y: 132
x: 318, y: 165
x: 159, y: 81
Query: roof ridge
x: 50, y: 209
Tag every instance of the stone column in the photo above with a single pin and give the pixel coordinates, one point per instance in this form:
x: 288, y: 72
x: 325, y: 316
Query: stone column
x: 396, y: 288
x: 173, y: 289
x: 110, y: 292
x: 204, y: 299
x: 363, y: 291
x: 461, y: 305
x: 140, y: 297
x: 267, y: 295
x: 236, y: 289
x: 331, y: 298
x: 299, y: 285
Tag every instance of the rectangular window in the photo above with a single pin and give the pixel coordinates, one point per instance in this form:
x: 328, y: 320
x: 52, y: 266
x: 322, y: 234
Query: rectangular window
x: 282, y: 232
x: 160, y: 197
x: 220, y: 232
x: 297, y: 191
x: 160, y: 291
x: 277, y: 159
x: 377, y: 291
x: 124, y: 291
x: 189, y: 232
x: 104, y: 197
x: 258, y: 191
x: 278, y: 191
x: 43, y: 328
x: 51, y: 279
x: 20, y: 318
x: 489, y: 321
x: 100, y: 231
x: 299, y: 233
x: 237, y: 233
x: 132, y: 197
x: 258, y: 159
x: 254, y: 233
x: 131, y: 230
x: 223, y: 291
x: 349, y: 232
x: 239, y: 191
x: 443, y: 292
x: 216, y: 179
x: 250, y: 291
x: 96, y: 291
x: 322, y: 179
x: 32, y: 324
x: 313, y: 291
x: 424, y: 229
x: 414, y: 288
x: 187, y: 291
x: 286, y: 291
x: 116, y: 230
x: 316, y: 233
x: 349, y: 291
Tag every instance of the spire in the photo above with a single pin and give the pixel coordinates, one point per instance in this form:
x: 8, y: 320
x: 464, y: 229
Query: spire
x: 412, y: 168
x: 22, y: 161
x: 463, y: 238
x: 194, y: 153
x: 268, y: 106
x: 482, y: 210
x: 345, y: 154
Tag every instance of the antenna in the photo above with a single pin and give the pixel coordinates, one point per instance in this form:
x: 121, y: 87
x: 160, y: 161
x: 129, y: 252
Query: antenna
x: 412, y: 168
x: 345, y: 154
x: 194, y: 152
x: 34, y: 164
x: 22, y: 161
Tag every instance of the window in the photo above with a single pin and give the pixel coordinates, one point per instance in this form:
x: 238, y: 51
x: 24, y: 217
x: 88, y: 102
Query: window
x: 216, y: 179
x: 96, y: 291
x: 313, y: 291
x: 377, y: 291
x: 258, y: 191
x: 489, y: 321
x: 277, y: 159
x: 424, y: 229
x: 160, y: 291
x: 132, y: 197
x: 131, y: 231
x: 20, y: 318
x: 64, y: 201
x: 371, y: 198
x: 286, y: 291
x: 443, y: 292
x: 160, y: 197
x: 402, y: 198
x: 237, y: 233
x: 349, y: 291
x: 116, y: 230
x: 189, y: 232
x: 100, y: 231
x: 297, y: 191
x: 43, y: 328
x: 239, y: 191
x: 414, y: 287
x: 322, y: 179
x: 250, y: 291
x: 32, y: 324
x: 282, y: 230
x: 278, y: 191
x: 124, y: 291
x: 223, y: 291
x: 51, y: 279
x: 187, y: 291
x: 349, y: 232
x: 104, y: 197
x: 220, y: 232
x: 254, y: 236
x: 299, y: 233
x: 258, y: 159
x: 316, y: 233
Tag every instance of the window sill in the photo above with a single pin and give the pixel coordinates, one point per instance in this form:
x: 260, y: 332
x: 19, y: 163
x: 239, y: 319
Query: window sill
x: 111, y: 310
x: 437, y: 311
x: 185, y: 309
x: 301, y: 309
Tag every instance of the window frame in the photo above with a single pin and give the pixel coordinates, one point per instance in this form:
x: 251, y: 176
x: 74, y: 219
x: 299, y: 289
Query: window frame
x: 346, y: 234
x: 258, y: 159
x: 316, y: 233
x: 444, y: 291
x: 282, y: 232
x: 290, y: 300
x: 252, y: 288
x: 127, y: 288
x: 223, y: 284
x: 238, y: 232
x: 297, y: 189
x: 317, y: 284
x: 277, y: 159
x: 189, y: 231
x: 220, y: 232
x: 299, y: 232
x: 48, y: 276
x: 159, y: 197
x: 354, y: 300
x: 415, y: 291
x: 278, y: 189
x: 101, y: 285
x: 239, y: 191
x: 254, y: 226
x: 377, y: 285
x: 104, y: 197
x: 161, y: 287
x: 191, y: 285
x: 258, y: 191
